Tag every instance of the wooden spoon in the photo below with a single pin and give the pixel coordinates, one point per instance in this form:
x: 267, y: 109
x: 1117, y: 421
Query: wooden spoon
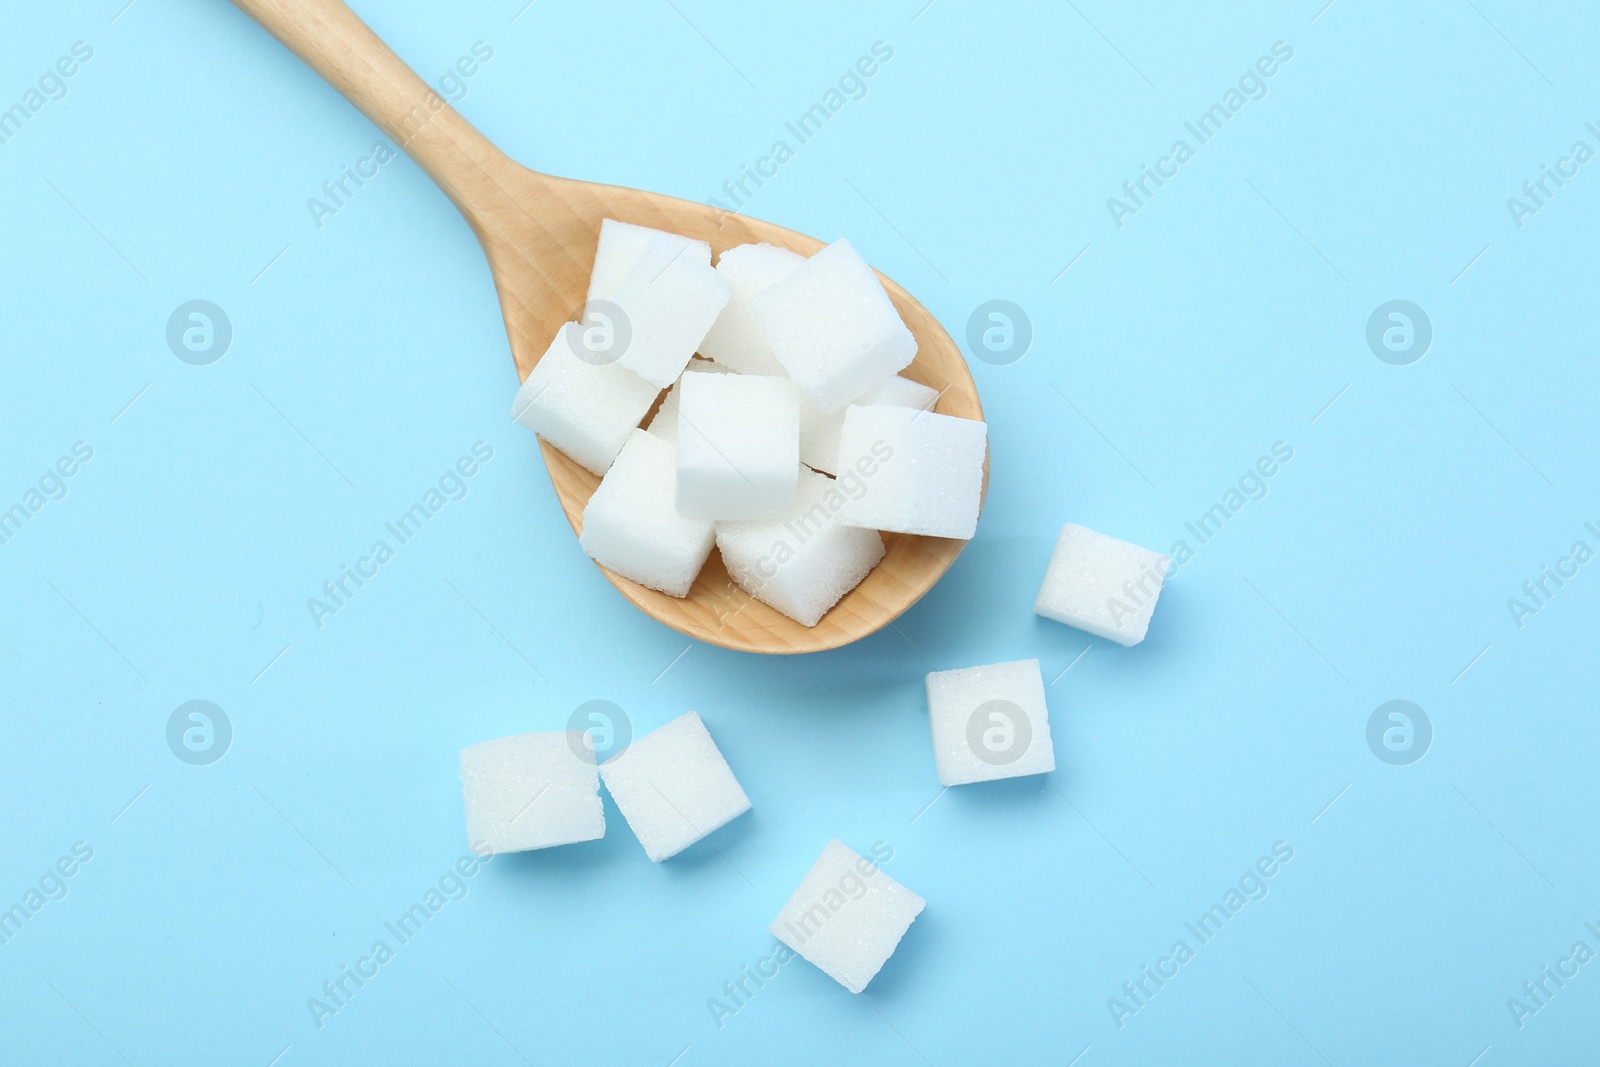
x: 539, y: 233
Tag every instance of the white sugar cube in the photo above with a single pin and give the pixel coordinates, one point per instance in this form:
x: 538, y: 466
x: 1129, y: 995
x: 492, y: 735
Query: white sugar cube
x: 674, y: 787
x: 738, y: 446
x: 989, y: 723
x: 1102, y: 585
x: 580, y: 403
x: 833, y: 328
x: 631, y: 526
x: 664, y: 423
x: 819, y: 432
x: 666, y: 304
x: 924, y: 471
x: 847, y: 917
x: 736, y: 340
x: 619, y: 249
x: 531, y: 791
x: 802, y: 564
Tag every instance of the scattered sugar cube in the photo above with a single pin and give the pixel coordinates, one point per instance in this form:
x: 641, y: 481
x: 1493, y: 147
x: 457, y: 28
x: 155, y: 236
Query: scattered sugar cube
x: 531, y: 791
x: 618, y: 251
x: 819, y: 433
x: 673, y: 787
x: 668, y: 301
x: 586, y: 409
x: 738, y: 446
x: 923, y: 474
x: 989, y: 723
x: 631, y: 526
x: 833, y: 328
x: 847, y: 917
x: 664, y: 424
x: 736, y: 340
x: 1099, y: 584
x: 805, y: 562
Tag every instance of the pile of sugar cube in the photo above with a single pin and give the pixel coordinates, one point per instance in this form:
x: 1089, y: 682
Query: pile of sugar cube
x: 786, y: 439
x: 674, y: 787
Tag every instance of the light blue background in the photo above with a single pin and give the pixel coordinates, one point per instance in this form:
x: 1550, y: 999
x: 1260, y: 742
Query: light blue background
x: 1227, y: 315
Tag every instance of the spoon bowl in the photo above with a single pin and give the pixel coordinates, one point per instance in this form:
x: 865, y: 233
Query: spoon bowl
x: 539, y: 234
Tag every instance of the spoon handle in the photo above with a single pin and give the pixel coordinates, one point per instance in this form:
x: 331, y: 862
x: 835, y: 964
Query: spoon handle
x: 334, y: 42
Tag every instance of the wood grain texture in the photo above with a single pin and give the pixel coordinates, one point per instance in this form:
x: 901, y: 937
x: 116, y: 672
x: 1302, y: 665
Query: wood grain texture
x: 539, y: 234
